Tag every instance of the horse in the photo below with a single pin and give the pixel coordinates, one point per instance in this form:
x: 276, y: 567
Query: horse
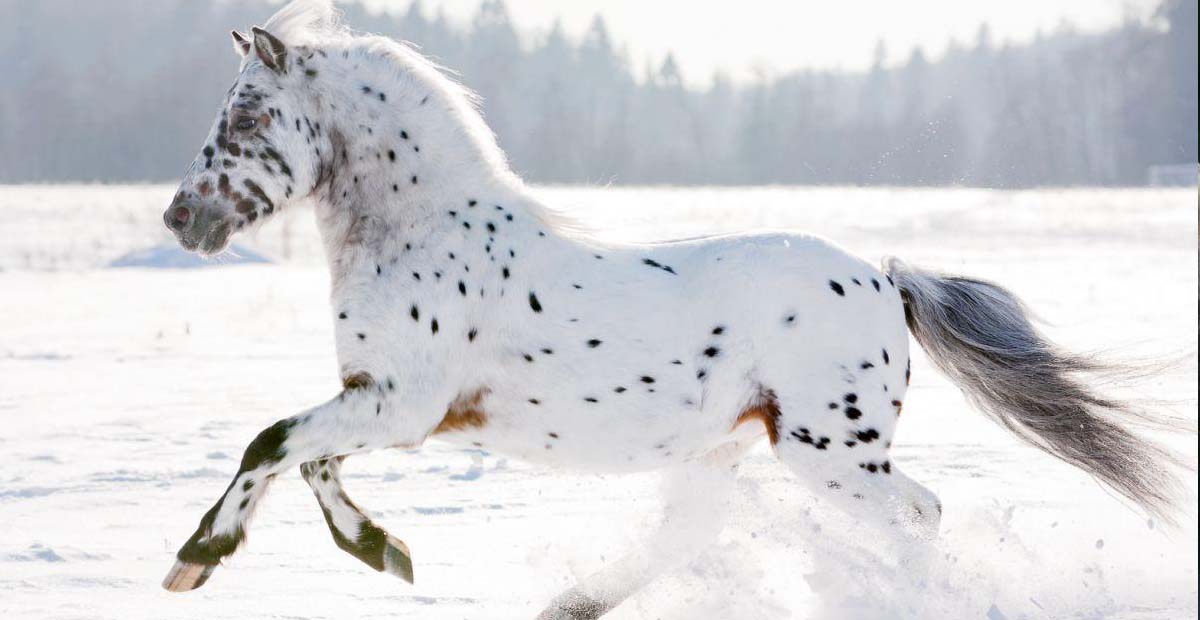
x: 468, y: 312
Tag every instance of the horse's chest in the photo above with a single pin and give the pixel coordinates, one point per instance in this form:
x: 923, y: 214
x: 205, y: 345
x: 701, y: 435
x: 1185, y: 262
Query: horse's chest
x: 387, y: 320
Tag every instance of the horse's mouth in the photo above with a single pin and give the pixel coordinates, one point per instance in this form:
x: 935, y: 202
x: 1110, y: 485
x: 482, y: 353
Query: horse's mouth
x: 212, y: 243
x: 216, y: 240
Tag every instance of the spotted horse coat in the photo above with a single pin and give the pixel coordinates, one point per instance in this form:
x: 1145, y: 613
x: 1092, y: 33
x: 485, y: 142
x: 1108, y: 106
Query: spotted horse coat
x: 467, y: 312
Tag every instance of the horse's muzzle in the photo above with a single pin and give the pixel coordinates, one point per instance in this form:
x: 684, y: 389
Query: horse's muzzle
x: 197, y: 226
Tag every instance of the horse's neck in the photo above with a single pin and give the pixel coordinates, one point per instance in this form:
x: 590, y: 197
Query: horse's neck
x: 375, y: 225
x: 395, y: 172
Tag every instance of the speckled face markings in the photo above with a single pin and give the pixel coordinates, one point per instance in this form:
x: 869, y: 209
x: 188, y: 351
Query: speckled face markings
x: 252, y: 146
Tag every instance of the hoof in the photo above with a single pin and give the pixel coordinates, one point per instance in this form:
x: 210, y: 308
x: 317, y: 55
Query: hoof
x: 397, y: 559
x: 185, y: 576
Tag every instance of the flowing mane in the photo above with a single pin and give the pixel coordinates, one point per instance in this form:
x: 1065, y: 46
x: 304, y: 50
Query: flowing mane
x: 306, y: 22
x: 317, y: 23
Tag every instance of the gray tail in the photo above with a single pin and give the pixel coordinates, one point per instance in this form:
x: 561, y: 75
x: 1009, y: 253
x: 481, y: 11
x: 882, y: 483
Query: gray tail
x: 980, y: 335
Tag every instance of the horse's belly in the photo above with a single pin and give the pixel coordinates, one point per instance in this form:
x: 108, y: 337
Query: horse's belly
x: 636, y: 441
x: 666, y: 374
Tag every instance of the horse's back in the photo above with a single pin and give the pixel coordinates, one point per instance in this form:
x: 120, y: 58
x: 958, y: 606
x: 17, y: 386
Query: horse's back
x: 775, y: 283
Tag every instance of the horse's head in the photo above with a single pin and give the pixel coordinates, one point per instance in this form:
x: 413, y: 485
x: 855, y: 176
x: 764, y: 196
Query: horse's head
x: 258, y: 154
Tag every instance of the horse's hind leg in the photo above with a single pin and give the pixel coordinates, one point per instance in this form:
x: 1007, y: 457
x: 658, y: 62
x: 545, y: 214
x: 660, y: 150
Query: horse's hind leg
x: 696, y: 502
x: 890, y: 502
x: 841, y: 454
x: 352, y: 530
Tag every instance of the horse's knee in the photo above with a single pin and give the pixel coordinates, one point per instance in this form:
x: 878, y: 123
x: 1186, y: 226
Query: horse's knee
x: 206, y: 547
x: 921, y: 511
x: 929, y: 509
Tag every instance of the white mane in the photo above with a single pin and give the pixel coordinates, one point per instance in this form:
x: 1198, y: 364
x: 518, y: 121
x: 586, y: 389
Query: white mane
x: 303, y: 22
x: 317, y: 23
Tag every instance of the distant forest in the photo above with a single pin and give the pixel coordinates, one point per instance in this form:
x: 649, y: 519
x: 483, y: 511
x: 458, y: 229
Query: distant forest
x: 124, y: 90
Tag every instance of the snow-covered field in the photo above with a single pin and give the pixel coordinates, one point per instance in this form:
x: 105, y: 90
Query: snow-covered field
x: 128, y: 393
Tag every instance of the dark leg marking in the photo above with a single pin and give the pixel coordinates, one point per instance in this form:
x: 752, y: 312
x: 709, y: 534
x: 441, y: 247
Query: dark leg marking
x: 205, y: 549
x: 371, y: 544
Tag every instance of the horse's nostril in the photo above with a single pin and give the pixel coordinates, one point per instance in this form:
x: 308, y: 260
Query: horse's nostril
x: 178, y: 217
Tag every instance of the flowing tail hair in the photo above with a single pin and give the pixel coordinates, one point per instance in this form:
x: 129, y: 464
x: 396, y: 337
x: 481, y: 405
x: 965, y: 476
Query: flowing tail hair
x: 981, y: 336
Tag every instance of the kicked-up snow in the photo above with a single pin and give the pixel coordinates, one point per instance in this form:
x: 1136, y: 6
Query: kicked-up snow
x: 127, y: 395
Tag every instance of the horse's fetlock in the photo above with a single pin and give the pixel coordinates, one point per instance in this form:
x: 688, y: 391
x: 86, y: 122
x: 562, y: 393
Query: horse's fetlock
x: 210, y: 550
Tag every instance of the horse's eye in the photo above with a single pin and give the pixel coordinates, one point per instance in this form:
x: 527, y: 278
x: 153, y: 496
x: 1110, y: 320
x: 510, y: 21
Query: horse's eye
x: 245, y: 123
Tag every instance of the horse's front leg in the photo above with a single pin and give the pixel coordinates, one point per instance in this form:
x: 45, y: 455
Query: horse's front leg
x: 352, y: 530
x: 358, y: 420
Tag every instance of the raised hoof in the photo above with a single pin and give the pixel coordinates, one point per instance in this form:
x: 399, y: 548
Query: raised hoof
x: 397, y: 559
x: 185, y: 576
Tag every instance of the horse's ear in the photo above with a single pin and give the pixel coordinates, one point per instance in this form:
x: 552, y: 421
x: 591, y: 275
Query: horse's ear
x: 270, y: 50
x: 241, y: 43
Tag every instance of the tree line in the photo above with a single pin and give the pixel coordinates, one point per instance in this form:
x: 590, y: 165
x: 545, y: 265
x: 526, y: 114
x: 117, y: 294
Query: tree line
x: 124, y: 90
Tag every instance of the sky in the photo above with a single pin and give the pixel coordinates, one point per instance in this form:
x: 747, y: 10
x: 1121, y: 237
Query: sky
x: 768, y: 37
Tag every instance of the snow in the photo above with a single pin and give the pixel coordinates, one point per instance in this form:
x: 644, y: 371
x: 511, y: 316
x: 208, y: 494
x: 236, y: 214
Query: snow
x: 171, y: 256
x: 127, y: 396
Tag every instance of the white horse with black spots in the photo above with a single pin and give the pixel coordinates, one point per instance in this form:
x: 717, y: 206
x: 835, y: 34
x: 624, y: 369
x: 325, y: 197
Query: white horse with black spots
x: 466, y: 311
